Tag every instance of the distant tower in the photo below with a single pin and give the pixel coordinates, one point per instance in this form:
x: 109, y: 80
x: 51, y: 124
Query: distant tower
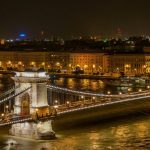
x: 42, y: 35
x: 119, y: 33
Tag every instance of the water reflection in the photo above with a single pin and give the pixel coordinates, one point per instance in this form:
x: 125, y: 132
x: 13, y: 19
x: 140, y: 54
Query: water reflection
x: 84, y: 84
x: 11, y: 145
x: 126, y: 134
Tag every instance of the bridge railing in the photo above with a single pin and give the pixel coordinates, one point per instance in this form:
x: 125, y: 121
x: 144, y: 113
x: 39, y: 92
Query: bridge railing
x: 77, y: 92
x: 9, y: 91
x: 14, y: 95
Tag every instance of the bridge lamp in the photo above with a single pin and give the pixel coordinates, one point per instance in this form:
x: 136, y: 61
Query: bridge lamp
x: 140, y: 90
x: 36, y: 109
x: 56, y: 106
x: 108, y: 92
x: 93, y: 98
x: 148, y: 86
x: 68, y: 102
x: 120, y: 93
x: 7, y: 108
x: 82, y: 96
x: 56, y: 101
x: 2, y: 115
x: 129, y: 89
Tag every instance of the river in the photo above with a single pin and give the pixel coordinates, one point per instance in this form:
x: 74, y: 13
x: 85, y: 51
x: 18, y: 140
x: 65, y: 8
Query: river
x: 124, y: 134
x: 127, y: 133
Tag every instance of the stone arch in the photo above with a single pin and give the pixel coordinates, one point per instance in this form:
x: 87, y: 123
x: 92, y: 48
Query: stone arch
x: 25, y: 104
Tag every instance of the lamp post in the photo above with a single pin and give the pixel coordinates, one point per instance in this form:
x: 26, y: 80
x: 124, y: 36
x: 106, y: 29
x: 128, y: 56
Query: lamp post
x: 108, y: 92
x: 93, y: 68
x: 67, y: 103
x: 43, y: 65
x: 135, y: 71
x: 140, y: 90
x: 82, y: 99
x: 7, y: 109
x: 85, y: 68
x: 93, y: 99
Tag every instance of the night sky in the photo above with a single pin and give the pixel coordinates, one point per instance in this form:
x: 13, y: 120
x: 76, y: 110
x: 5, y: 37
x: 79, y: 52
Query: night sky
x: 67, y: 18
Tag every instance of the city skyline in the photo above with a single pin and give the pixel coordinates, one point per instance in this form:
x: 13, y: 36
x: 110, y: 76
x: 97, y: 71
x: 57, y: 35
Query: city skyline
x: 74, y: 18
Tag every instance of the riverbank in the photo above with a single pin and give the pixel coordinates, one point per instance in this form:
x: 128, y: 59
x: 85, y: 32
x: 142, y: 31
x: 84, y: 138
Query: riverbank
x: 81, y: 76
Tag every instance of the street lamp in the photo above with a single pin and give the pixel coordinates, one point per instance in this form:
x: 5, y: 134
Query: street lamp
x: 55, y: 106
x: 144, y: 67
x: 129, y: 89
x: 82, y: 97
x: 120, y: 93
x: 148, y: 86
x: 36, y: 110
x: 93, y: 68
x: 135, y: 71
x: 43, y: 65
x: 108, y: 92
x: 85, y: 67
x: 140, y: 90
x: 56, y: 101
x: 67, y: 103
x: 7, y: 108
x: 93, y: 98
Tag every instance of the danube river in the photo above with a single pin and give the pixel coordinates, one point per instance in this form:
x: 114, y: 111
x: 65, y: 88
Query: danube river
x: 124, y: 134
x: 127, y: 133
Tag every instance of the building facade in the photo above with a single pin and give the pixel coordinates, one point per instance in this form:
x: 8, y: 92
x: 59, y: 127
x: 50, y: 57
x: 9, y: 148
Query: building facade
x: 89, y: 62
x: 129, y: 64
x: 36, y: 60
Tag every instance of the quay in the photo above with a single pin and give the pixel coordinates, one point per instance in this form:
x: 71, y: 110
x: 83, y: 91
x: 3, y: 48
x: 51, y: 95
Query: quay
x: 81, y: 76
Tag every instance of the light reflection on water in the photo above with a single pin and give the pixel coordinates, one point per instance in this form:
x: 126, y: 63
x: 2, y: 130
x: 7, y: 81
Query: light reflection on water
x: 84, y: 84
x: 125, y: 134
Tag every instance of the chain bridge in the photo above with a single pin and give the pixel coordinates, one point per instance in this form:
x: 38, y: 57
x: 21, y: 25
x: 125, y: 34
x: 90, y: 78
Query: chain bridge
x: 32, y: 104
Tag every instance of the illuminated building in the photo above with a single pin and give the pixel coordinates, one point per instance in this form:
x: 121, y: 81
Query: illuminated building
x: 130, y: 64
x: 89, y: 62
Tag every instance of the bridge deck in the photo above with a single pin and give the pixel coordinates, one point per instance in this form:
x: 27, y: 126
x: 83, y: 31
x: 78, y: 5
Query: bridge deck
x: 99, y: 101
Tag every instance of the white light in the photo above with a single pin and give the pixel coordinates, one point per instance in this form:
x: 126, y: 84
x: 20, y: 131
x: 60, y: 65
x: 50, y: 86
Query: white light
x: 120, y: 93
x: 56, y: 106
x: 31, y: 74
x: 56, y: 101
x: 140, y: 90
x: 108, y: 92
x: 82, y: 96
x: 67, y: 102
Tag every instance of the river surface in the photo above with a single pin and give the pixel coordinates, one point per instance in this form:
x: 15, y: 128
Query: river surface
x: 127, y: 133
x: 123, y: 134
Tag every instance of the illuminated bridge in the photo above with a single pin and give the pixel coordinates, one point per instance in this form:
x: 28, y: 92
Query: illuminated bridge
x: 34, y: 109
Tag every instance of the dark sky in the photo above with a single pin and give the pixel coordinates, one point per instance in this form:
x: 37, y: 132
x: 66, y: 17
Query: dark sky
x: 68, y: 18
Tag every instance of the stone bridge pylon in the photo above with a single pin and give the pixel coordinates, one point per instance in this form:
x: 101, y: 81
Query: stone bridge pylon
x: 30, y: 103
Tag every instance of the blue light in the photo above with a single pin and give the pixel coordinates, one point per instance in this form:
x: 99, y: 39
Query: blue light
x: 22, y: 35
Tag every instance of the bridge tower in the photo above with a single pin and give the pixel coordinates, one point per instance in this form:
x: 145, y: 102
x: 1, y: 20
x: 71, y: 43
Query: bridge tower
x: 29, y: 102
